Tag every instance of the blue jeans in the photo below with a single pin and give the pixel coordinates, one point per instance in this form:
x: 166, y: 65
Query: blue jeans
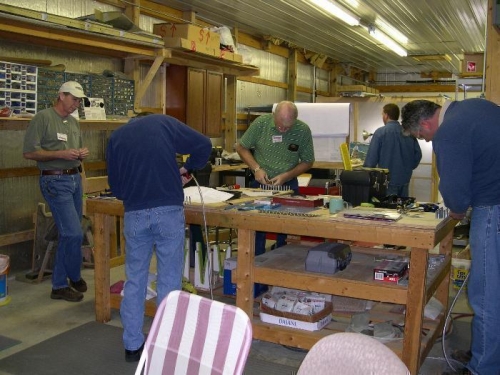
x: 260, y: 237
x: 401, y: 191
x: 161, y: 229
x: 484, y: 289
x: 64, y: 196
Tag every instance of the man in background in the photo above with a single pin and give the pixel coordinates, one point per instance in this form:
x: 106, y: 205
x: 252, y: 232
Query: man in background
x: 277, y: 148
x: 143, y: 173
x: 391, y: 150
x: 465, y: 137
x: 53, y: 139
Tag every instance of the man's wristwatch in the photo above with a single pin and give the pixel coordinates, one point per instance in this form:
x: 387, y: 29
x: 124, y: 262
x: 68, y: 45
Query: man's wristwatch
x: 256, y: 169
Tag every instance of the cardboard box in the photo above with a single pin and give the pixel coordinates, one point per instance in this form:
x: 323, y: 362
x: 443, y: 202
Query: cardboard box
x: 313, y: 322
x: 299, y: 202
x: 473, y: 63
x: 193, y: 33
x: 190, y: 45
x: 227, y: 55
x: 292, y: 323
x: 390, y: 270
x: 230, y: 287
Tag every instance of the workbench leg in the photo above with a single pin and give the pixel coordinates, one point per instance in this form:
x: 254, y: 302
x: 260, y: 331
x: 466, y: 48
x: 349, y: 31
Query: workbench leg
x: 245, y: 271
x: 443, y: 291
x: 101, y: 268
x: 415, y: 309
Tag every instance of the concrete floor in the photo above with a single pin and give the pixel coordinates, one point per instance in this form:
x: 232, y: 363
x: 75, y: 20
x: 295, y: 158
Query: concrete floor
x: 32, y: 317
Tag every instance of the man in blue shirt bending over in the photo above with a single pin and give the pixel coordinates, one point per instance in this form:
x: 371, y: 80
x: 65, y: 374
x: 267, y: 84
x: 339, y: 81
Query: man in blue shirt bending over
x: 391, y: 150
x: 465, y: 138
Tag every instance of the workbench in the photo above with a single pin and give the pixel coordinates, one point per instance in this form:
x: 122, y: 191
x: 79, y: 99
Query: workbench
x: 420, y: 234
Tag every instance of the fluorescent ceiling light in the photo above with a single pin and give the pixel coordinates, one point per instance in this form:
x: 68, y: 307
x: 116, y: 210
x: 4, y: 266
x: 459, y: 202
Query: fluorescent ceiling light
x: 337, y: 11
x: 389, y: 29
x: 388, y: 42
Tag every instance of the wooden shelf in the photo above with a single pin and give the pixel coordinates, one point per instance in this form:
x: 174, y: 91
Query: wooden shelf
x: 19, y: 123
x: 40, y: 28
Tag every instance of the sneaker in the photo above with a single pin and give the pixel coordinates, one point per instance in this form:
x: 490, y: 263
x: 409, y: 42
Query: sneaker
x: 79, y: 285
x: 67, y: 294
x: 133, y: 355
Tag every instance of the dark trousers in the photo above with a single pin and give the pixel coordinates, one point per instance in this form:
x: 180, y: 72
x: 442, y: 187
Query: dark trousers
x: 260, y: 237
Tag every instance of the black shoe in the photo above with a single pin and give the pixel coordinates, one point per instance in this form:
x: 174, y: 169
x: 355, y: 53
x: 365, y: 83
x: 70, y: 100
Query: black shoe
x: 67, y: 294
x: 79, y: 285
x: 133, y: 355
x: 462, y: 356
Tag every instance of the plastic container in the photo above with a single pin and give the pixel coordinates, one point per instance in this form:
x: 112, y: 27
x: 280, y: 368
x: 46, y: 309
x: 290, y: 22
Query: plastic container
x: 459, y: 271
x: 4, y: 272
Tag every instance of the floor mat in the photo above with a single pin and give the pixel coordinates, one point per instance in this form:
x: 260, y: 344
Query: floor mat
x: 92, y: 348
x: 95, y: 349
x: 7, y: 342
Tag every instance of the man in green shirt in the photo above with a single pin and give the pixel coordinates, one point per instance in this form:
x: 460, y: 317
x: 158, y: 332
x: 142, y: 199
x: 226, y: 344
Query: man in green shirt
x: 277, y: 148
x: 54, y: 141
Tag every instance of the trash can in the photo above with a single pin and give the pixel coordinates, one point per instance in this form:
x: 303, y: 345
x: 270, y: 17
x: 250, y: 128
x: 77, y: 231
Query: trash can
x: 4, y: 272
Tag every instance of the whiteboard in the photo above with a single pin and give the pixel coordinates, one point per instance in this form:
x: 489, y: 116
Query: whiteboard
x: 325, y: 119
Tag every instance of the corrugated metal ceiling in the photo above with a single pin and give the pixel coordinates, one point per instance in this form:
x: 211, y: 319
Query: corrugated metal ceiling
x: 433, y: 27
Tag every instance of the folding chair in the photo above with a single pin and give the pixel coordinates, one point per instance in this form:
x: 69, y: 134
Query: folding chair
x: 351, y: 354
x: 193, y: 335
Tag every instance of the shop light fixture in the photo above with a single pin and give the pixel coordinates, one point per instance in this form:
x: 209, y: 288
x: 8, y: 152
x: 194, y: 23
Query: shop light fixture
x: 337, y: 11
x: 391, y: 30
x: 385, y: 40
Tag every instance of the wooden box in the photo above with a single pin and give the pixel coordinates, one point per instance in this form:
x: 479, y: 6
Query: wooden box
x: 472, y: 63
x: 201, y: 37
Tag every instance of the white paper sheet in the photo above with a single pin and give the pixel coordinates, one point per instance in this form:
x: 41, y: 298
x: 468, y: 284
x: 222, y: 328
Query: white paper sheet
x: 192, y: 195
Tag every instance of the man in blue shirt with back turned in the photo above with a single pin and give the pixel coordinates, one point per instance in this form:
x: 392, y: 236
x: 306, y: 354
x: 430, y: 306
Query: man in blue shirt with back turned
x: 143, y: 172
x: 391, y: 150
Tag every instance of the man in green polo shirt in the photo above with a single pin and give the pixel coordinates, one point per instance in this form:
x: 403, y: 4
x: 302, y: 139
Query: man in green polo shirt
x: 53, y: 139
x: 282, y: 150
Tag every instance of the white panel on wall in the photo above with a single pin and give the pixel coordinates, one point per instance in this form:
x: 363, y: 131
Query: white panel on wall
x: 305, y: 75
x: 322, y: 80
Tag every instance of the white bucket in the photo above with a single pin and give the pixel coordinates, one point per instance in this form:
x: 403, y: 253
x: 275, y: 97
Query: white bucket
x: 4, y: 272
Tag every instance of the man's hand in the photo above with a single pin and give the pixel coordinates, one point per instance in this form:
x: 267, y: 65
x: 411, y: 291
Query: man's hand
x: 84, y: 152
x: 70, y: 154
x: 278, y: 180
x: 261, y: 176
x: 185, y: 176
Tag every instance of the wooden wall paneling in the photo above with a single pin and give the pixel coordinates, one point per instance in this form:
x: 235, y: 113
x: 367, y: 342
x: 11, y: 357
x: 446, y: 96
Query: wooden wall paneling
x: 492, y: 81
x: 213, y: 104
x: 176, y: 92
x: 195, y: 113
x: 229, y: 135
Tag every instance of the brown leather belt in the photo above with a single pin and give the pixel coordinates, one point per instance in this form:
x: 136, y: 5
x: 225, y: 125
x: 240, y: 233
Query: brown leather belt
x: 59, y: 171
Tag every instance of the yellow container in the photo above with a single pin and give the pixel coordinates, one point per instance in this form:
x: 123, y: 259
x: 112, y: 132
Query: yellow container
x: 459, y: 271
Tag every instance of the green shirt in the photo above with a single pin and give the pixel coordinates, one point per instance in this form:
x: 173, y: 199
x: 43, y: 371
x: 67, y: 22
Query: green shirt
x: 277, y: 152
x: 48, y: 131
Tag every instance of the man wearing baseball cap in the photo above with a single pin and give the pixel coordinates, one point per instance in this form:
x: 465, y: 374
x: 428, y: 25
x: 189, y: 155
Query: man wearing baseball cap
x: 53, y: 139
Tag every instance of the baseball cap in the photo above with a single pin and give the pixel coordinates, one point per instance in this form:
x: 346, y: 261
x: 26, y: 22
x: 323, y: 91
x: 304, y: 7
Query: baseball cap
x: 74, y: 88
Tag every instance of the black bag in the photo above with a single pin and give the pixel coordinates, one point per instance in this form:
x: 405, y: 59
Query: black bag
x: 360, y: 186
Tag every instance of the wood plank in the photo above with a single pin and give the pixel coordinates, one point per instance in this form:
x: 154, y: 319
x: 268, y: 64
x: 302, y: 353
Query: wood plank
x: 17, y: 237
x: 13, y: 123
x: 34, y: 171
x: 415, y: 88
